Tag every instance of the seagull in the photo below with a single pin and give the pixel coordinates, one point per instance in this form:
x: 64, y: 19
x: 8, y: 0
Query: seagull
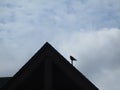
x: 72, y: 59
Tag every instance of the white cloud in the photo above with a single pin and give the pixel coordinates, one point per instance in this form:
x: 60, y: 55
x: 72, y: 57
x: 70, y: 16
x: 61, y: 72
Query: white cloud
x: 96, y: 51
x: 87, y: 29
x: 69, y: 15
x: 108, y: 79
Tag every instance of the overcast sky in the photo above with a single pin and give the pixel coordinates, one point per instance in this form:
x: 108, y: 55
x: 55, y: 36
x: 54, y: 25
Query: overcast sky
x: 87, y: 29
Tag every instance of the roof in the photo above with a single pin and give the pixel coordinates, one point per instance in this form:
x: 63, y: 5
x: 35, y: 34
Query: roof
x: 3, y: 80
x: 45, y: 70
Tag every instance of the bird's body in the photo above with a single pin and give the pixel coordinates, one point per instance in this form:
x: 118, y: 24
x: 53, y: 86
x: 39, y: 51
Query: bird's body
x: 72, y: 59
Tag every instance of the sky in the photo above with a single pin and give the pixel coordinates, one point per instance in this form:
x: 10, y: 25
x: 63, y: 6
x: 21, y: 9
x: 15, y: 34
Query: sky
x: 89, y: 30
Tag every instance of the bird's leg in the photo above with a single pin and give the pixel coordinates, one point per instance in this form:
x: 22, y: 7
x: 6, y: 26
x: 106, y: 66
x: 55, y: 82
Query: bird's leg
x: 72, y: 62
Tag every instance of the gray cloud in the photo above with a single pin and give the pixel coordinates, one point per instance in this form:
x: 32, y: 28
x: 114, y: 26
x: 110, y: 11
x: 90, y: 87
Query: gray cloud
x: 69, y: 15
x: 86, y: 29
x: 98, y: 54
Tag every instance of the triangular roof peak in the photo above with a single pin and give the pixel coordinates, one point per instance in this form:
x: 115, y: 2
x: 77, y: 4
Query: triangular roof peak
x: 47, y: 45
x: 43, y: 63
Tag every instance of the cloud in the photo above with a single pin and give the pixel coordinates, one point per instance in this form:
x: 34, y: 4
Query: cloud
x: 87, y: 29
x: 108, y: 80
x: 98, y: 54
x: 69, y: 15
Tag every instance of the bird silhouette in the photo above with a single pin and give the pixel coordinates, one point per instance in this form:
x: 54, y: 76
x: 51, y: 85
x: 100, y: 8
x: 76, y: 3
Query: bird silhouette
x: 72, y: 59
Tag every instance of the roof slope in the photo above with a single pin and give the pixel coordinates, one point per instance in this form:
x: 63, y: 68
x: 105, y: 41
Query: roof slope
x: 47, y: 70
x: 3, y: 80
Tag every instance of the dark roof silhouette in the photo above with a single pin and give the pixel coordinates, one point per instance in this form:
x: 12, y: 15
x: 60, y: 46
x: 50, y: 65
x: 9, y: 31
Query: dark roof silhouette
x: 3, y: 80
x: 48, y: 70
